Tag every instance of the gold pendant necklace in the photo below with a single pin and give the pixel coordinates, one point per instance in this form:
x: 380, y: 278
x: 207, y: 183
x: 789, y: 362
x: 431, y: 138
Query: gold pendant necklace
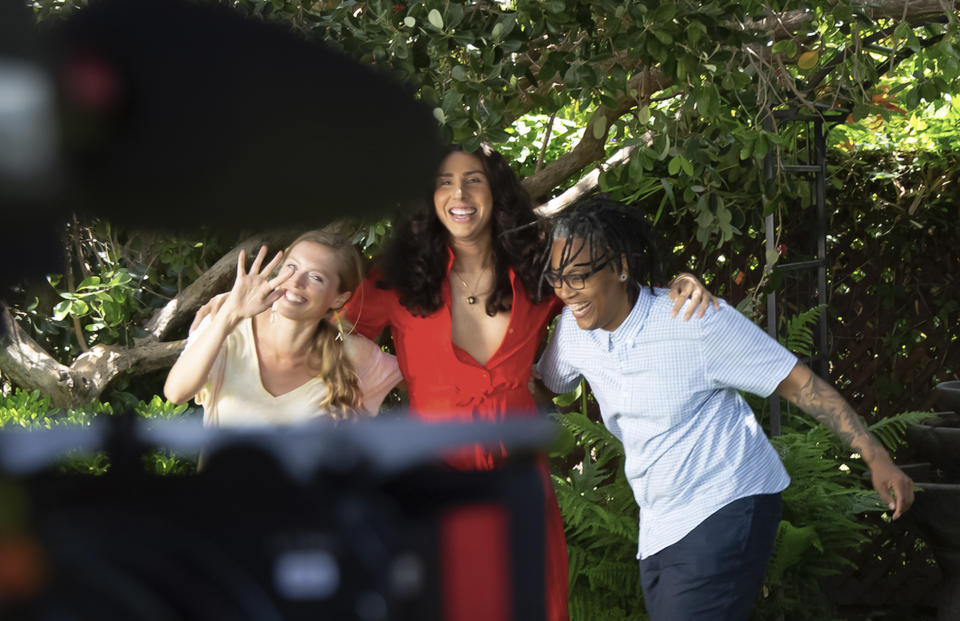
x: 472, y: 297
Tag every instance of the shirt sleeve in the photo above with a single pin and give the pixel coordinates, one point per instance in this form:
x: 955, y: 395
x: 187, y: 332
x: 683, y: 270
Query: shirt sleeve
x: 738, y: 354
x: 377, y: 372
x: 554, y: 367
x: 210, y: 390
x: 369, y: 307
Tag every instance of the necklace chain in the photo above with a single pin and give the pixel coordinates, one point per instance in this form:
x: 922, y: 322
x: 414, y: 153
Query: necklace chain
x: 472, y: 297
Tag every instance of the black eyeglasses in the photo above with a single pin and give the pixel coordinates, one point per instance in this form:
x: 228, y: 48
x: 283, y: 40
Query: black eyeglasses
x: 574, y: 281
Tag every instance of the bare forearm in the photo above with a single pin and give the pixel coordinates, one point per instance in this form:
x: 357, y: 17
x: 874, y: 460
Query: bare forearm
x: 189, y: 373
x: 813, y: 395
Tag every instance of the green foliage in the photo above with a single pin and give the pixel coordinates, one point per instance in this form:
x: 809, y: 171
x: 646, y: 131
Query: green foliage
x: 106, y: 303
x: 31, y: 410
x: 823, y: 511
x: 798, y: 336
x: 891, y: 431
x: 600, y: 519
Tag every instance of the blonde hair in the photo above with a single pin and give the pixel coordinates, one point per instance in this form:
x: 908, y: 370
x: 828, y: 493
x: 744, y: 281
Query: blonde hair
x: 343, y: 399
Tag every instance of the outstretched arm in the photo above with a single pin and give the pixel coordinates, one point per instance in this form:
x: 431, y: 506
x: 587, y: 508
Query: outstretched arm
x: 252, y: 293
x: 813, y: 395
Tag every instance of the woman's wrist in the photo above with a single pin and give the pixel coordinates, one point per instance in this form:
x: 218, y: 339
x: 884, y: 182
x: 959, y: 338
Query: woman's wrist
x: 227, y: 318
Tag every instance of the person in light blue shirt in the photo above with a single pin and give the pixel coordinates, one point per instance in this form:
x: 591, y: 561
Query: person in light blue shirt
x: 703, y: 473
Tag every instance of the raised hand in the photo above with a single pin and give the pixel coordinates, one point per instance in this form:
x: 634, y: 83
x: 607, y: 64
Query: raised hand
x: 686, y: 287
x: 253, y: 291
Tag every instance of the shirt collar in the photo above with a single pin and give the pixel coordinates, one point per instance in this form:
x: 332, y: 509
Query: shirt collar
x: 630, y: 326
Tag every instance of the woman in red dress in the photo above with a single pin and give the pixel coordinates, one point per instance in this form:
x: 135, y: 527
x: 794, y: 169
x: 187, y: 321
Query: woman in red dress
x: 460, y: 288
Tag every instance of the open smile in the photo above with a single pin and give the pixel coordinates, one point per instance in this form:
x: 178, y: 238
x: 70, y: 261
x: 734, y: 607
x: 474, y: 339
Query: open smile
x: 579, y: 309
x: 462, y: 213
x: 293, y: 298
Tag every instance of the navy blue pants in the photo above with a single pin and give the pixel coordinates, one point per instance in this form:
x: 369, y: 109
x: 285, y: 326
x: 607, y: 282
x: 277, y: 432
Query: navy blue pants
x: 714, y: 573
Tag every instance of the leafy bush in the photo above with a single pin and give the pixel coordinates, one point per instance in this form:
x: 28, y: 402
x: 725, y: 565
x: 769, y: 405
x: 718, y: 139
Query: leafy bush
x: 32, y: 410
x: 600, y: 519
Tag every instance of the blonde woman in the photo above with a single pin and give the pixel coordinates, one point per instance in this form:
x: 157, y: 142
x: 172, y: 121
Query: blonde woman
x: 276, y: 353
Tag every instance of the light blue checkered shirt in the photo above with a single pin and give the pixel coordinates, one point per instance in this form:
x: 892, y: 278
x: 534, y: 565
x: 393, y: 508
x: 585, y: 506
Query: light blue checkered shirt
x: 667, y: 389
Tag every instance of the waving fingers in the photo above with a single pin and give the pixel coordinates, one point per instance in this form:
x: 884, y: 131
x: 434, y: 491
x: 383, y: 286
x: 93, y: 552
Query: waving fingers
x: 258, y: 261
x: 241, y: 263
x: 272, y: 265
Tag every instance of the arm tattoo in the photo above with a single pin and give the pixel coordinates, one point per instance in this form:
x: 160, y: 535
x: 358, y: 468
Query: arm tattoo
x: 822, y: 401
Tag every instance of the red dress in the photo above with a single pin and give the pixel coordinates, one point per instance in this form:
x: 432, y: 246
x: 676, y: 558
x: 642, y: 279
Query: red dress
x: 446, y: 383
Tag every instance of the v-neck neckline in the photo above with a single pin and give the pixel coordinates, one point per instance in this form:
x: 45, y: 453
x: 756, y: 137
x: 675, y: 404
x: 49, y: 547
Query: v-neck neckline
x: 256, y: 361
x: 447, y: 299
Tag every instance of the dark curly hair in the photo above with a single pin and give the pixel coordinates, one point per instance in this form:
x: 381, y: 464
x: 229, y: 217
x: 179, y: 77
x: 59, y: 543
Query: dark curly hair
x: 616, y: 234
x: 415, y: 262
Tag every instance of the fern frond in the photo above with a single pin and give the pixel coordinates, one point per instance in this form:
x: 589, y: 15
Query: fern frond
x: 799, y: 331
x: 890, y: 431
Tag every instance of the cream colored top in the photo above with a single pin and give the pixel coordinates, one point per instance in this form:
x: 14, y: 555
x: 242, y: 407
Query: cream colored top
x: 233, y: 394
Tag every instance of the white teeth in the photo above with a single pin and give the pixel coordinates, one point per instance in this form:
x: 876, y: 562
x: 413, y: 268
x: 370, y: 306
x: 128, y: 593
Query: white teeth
x: 292, y: 297
x: 462, y: 211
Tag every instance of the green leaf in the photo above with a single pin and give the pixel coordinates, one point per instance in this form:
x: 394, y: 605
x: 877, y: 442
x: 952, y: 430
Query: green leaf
x: 902, y: 31
x: 678, y: 163
x: 121, y: 277
x: 459, y: 73
x: 89, y: 283
x: 787, y: 47
x: 563, y: 444
x: 61, y: 310
x: 668, y: 189
x: 666, y: 148
x: 723, y: 214
x: 409, y: 21
x: 643, y: 115
x: 665, y: 12
x: 663, y: 36
x: 435, y: 19
x: 674, y: 166
x: 568, y: 398
x: 772, y: 256
x: 705, y: 219
x: 600, y: 128
x: 636, y: 167
x: 438, y: 114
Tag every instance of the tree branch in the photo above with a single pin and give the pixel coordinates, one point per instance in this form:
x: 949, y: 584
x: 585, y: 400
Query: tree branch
x: 29, y: 366
x: 32, y: 368
x: 590, y: 148
x: 587, y: 183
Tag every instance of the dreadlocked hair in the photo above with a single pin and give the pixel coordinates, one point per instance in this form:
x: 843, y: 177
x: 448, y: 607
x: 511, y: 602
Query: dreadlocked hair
x: 415, y: 262
x: 329, y: 356
x: 615, y: 234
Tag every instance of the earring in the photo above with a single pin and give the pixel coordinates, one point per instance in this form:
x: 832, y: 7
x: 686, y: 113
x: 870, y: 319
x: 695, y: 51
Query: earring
x: 623, y: 278
x: 337, y: 315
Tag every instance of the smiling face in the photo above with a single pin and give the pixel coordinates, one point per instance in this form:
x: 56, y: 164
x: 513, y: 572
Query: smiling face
x: 603, y: 302
x: 463, y: 197
x: 314, y: 287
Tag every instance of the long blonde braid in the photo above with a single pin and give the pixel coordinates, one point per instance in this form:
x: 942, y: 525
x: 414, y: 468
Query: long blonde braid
x: 343, y: 399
